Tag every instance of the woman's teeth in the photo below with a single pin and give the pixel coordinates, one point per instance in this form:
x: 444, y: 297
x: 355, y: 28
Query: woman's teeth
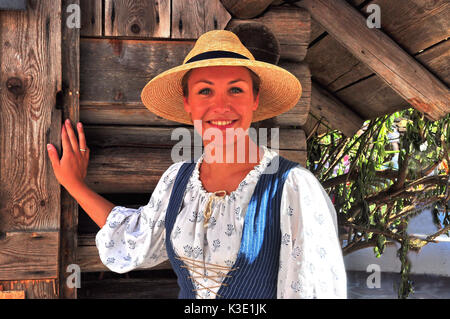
x: 221, y: 122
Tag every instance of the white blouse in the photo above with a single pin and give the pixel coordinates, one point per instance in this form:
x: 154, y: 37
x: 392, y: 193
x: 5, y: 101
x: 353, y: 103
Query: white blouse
x: 311, y: 262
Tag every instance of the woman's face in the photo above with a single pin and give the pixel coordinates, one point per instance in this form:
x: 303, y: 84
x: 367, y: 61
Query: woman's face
x: 221, y: 98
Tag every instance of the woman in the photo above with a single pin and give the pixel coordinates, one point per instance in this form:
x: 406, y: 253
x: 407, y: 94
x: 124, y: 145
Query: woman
x: 262, y: 227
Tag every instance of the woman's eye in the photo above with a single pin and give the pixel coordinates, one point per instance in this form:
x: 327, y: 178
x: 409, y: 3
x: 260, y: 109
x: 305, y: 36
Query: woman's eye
x: 204, y: 90
x: 236, y: 90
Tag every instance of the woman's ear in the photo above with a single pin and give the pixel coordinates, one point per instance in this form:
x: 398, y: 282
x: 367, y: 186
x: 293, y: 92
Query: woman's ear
x: 256, y: 102
x: 186, y: 105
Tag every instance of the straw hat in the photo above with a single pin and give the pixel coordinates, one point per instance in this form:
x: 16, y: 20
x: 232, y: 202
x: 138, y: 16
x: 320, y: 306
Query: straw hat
x: 279, y: 90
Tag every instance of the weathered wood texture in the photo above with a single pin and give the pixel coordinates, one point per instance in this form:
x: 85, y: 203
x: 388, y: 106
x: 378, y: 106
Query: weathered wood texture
x: 327, y: 107
x: 190, y: 19
x: 258, y: 39
x: 91, y: 17
x: 70, y: 51
x: 378, y: 96
x: 29, y: 255
x: 123, y: 154
x: 113, y: 73
x: 138, y: 18
x: 290, y: 25
x: 343, y: 69
x: 32, y: 289
x: 115, y: 70
x: 246, y: 9
x: 30, y: 77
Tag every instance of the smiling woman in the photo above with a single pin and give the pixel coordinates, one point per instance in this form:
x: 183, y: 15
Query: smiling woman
x: 231, y: 228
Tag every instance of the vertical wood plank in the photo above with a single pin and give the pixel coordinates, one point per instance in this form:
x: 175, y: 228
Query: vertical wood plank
x: 30, y: 68
x: 91, y: 17
x: 190, y: 19
x: 216, y: 16
x: 70, y: 109
x: 30, y: 78
x: 138, y: 18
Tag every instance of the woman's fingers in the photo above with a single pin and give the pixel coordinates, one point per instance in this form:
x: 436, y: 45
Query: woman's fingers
x: 72, y: 137
x: 53, y: 155
x: 82, y: 137
x: 67, y: 146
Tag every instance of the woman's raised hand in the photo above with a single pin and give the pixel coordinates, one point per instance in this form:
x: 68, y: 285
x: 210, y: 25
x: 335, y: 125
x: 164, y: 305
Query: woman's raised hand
x: 71, y: 170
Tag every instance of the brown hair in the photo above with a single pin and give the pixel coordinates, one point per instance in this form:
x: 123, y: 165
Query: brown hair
x: 255, y: 81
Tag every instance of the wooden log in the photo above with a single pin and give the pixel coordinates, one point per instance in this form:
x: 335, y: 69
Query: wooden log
x: 138, y: 170
x: 116, y: 71
x: 137, y: 18
x: 29, y: 255
x: 70, y: 52
x: 407, y: 77
x: 336, y: 114
x: 190, y: 19
x: 258, y: 39
x: 299, y: 113
x: 121, y: 114
x: 160, y: 137
x: 246, y: 9
x: 291, y: 27
x: 91, y: 17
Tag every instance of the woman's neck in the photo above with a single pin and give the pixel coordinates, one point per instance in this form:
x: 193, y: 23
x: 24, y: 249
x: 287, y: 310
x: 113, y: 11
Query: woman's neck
x: 225, y: 161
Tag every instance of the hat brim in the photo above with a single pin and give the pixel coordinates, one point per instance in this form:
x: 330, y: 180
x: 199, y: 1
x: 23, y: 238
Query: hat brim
x: 279, y: 90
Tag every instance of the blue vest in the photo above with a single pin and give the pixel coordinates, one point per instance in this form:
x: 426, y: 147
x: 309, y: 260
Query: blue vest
x: 257, y: 262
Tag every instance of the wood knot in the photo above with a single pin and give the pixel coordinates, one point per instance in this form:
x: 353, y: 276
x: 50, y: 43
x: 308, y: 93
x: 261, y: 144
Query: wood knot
x: 135, y: 28
x: 15, y: 86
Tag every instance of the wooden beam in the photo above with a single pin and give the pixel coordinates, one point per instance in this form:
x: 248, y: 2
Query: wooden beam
x: 70, y: 55
x: 397, y: 68
x: 324, y: 105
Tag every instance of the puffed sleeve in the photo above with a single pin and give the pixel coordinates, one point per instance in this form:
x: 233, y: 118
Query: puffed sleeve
x: 311, y: 260
x: 135, y: 238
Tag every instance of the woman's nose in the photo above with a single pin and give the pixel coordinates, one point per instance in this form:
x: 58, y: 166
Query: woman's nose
x: 221, y: 102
